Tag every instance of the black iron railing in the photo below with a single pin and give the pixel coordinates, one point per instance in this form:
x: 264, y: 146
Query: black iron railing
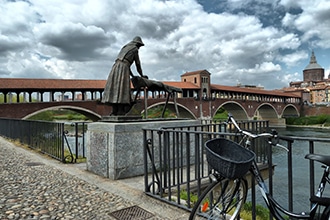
x: 50, y: 138
x: 176, y: 170
x: 175, y: 167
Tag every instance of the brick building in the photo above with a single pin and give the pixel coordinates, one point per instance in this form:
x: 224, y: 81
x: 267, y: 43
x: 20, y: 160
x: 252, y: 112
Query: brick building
x: 315, y: 88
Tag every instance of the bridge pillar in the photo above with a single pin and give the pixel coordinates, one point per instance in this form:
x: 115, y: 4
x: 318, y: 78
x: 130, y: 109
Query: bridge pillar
x: 115, y: 149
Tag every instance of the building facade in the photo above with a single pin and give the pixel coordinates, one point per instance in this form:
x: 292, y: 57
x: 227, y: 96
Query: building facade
x: 315, y: 88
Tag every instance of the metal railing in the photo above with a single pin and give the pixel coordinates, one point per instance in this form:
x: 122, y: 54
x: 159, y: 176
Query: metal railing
x: 49, y: 138
x: 176, y: 170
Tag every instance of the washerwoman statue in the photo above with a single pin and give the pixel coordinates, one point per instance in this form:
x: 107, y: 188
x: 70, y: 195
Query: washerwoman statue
x: 117, y: 91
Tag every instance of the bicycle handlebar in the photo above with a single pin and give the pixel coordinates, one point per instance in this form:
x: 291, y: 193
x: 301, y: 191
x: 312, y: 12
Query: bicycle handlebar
x: 272, y: 135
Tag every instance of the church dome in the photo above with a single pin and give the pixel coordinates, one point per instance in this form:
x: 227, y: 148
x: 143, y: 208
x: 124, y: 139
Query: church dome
x: 313, y: 63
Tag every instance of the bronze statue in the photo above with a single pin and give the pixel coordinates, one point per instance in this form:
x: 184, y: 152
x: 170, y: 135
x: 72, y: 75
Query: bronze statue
x: 117, y: 91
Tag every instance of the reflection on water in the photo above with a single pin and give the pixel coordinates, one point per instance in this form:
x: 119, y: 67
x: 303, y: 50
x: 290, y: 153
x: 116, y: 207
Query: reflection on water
x: 301, y: 190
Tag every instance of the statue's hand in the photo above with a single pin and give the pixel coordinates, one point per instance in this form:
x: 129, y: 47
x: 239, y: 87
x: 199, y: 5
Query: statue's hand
x: 145, y: 76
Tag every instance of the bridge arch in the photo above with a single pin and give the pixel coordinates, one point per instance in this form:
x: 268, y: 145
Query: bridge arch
x: 290, y: 111
x: 183, y: 110
x: 88, y: 113
x: 235, y: 108
x: 266, y: 111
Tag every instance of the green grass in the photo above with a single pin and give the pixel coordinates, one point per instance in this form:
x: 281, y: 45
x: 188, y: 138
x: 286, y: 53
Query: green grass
x: 157, y: 111
x: 262, y: 213
x: 310, y: 120
x: 53, y: 115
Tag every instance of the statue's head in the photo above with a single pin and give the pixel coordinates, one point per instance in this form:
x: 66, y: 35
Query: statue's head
x: 138, y: 40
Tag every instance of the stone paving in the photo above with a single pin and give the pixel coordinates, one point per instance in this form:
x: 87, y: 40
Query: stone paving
x: 33, y: 186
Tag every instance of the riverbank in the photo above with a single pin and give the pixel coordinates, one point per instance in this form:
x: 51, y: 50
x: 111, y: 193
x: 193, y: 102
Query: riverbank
x: 309, y: 126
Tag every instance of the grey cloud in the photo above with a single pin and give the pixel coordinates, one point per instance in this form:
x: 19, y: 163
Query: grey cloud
x: 75, y: 41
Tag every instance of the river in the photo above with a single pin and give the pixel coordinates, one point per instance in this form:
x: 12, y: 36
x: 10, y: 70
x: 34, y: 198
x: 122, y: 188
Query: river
x: 300, y: 167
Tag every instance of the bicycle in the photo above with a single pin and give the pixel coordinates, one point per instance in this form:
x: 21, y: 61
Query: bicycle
x: 227, y: 192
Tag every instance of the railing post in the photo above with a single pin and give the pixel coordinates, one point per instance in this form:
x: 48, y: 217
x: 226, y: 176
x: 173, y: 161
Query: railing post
x: 311, y: 171
x: 290, y: 182
x: 77, y: 141
x: 145, y: 159
x: 62, y: 142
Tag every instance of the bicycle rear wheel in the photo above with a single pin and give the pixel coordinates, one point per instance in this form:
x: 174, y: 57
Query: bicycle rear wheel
x: 221, y: 200
x: 326, y: 213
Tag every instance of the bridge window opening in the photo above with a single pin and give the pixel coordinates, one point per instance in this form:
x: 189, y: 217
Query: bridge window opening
x: 190, y: 93
x: 196, y: 95
x: 204, y: 94
x: 88, y: 95
x: 12, y: 97
x: 78, y: 96
x: 35, y: 97
x: 213, y: 95
x: 58, y: 96
x: 205, y: 79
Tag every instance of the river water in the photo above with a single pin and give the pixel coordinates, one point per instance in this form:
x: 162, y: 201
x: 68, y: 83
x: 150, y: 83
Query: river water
x: 301, y: 190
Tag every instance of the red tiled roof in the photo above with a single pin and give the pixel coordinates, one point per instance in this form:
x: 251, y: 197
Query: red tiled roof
x: 194, y: 73
x: 13, y: 84
x: 48, y: 84
x: 182, y: 85
x: 252, y: 91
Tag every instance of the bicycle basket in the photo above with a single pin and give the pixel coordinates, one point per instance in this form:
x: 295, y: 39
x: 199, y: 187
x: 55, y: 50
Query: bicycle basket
x: 228, y: 158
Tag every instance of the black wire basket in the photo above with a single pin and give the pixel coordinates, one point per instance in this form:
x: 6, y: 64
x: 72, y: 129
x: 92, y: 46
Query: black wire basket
x: 228, y: 158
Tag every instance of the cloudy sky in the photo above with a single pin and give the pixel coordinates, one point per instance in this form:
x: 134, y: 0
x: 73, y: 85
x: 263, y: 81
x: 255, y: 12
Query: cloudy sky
x: 254, y: 42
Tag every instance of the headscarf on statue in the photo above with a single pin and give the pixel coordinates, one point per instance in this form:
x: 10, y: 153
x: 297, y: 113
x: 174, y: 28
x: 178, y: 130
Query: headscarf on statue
x: 130, y: 47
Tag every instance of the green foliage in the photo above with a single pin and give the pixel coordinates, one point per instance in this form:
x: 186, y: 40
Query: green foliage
x: 310, y: 120
x: 43, y: 116
x: 156, y: 112
x: 52, y: 115
x: 184, y: 196
x: 261, y: 212
x: 221, y: 114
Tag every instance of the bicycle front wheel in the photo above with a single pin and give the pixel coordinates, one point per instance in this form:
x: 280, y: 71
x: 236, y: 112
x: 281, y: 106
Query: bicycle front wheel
x: 221, y: 200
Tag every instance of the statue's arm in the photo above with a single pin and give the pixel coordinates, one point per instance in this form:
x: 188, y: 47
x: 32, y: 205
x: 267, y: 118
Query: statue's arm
x: 138, y: 63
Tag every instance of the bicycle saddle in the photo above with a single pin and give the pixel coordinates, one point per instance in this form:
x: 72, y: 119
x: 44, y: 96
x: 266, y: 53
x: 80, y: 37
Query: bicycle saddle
x: 325, y: 159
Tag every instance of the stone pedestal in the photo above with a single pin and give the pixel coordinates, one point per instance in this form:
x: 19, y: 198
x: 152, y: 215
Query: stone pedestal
x: 115, y: 148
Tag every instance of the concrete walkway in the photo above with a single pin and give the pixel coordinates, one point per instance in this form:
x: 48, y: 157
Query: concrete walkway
x: 34, y: 186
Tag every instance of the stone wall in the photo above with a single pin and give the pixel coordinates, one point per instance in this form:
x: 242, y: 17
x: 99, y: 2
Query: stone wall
x: 315, y: 110
x: 115, y: 150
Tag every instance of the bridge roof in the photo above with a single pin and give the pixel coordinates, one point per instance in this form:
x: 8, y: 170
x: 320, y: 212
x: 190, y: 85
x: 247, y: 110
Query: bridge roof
x: 182, y: 85
x: 253, y: 91
x: 50, y: 84
x: 26, y: 84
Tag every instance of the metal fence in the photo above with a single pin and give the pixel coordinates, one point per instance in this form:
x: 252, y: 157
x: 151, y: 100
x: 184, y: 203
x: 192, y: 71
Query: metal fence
x: 49, y: 138
x: 176, y: 170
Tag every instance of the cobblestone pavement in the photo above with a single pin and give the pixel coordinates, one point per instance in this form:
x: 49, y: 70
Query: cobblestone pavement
x: 33, y: 186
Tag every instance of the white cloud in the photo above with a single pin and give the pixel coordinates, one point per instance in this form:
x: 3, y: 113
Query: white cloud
x: 81, y: 38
